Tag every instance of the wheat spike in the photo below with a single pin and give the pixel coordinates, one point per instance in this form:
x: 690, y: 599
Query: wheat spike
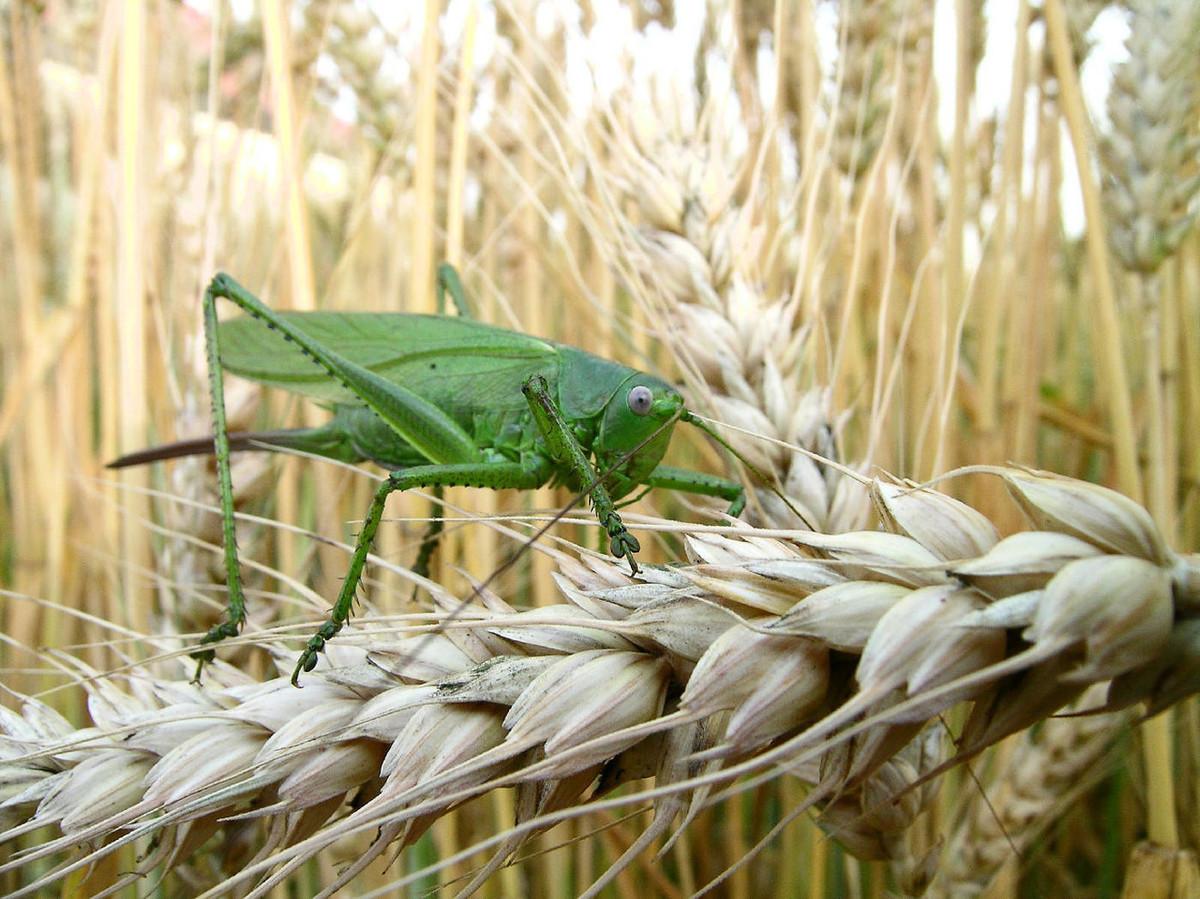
x: 625, y: 675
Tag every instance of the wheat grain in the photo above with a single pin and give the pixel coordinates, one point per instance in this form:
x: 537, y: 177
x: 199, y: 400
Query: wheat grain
x: 860, y: 109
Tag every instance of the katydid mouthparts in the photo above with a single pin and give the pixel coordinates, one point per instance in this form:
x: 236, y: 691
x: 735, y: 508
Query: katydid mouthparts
x: 437, y: 401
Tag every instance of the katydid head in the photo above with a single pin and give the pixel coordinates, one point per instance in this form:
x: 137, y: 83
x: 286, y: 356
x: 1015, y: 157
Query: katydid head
x: 637, y: 423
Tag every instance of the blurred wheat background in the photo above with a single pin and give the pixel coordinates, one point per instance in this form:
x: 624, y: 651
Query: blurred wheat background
x: 912, y: 236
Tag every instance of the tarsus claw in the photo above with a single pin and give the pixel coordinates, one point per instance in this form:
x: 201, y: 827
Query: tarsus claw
x: 624, y: 544
x: 216, y: 633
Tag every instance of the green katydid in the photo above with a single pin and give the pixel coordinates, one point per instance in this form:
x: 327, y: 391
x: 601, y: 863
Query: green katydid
x: 438, y: 401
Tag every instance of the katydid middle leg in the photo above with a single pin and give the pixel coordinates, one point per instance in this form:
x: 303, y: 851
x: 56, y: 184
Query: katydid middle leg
x: 448, y: 282
x: 528, y: 474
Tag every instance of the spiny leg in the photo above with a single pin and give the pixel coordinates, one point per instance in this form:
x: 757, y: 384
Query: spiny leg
x: 428, y: 429
x: 565, y: 448
x: 448, y: 282
x: 687, y: 481
x: 429, y: 541
x: 235, y: 614
x: 528, y: 474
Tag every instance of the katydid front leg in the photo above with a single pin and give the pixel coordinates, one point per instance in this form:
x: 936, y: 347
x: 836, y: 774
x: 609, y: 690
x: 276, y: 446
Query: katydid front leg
x: 687, y: 481
x: 528, y: 474
x: 565, y: 448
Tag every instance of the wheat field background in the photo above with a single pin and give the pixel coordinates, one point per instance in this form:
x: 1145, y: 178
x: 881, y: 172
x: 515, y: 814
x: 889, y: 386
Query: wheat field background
x: 868, y: 238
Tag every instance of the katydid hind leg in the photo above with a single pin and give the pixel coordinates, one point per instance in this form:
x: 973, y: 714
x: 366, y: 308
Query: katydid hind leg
x: 448, y: 281
x: 566, y: 448
x: 529, y: 474
x: 429, y: 430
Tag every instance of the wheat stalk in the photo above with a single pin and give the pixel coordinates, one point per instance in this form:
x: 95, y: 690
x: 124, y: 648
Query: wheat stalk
x: 696, y: 676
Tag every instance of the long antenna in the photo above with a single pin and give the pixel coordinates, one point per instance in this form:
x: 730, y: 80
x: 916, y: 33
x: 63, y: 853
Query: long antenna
x: 754, y: 469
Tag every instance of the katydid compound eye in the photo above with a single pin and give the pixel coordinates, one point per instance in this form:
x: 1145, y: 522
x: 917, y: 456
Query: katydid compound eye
x: 640, y: 400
